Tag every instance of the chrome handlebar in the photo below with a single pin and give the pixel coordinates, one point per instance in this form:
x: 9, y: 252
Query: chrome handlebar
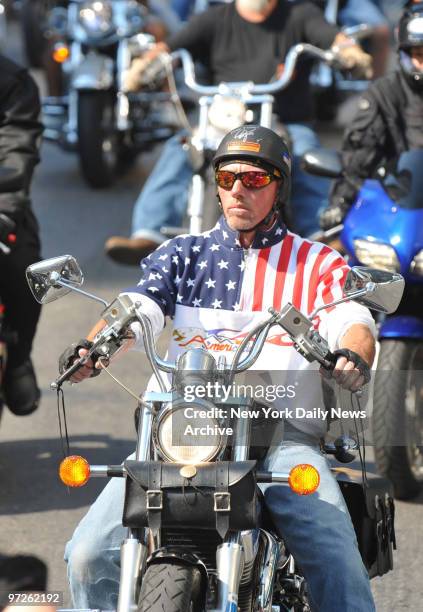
x: 248, y: 88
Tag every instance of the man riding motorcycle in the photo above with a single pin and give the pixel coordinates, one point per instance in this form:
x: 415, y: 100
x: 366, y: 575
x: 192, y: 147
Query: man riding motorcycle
x: 226, y: 279
x: 389, y: 120
x: 244, y: 41
x: 20, y: 132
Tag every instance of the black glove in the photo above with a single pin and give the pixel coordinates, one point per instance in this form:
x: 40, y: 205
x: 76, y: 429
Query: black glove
x: 7, y: 230
x: 71, y: 353
x: 358, y: 362
x: 334, y: 214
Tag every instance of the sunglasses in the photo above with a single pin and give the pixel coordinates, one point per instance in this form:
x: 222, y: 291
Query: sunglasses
x: 249, y: 179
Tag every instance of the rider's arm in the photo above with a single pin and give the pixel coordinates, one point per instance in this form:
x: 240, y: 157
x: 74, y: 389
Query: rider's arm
x: 20, y: 134
x: 326, y: 286
x: 359, y: 338
x: 346, y: 326
x: 364, y: 147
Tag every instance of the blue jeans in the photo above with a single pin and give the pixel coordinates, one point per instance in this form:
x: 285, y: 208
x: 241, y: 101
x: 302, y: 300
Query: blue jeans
x: 163, y: 200
x: 316, y: 528
x: 361, y: 11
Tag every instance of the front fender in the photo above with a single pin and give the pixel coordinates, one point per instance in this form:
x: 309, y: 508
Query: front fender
x: 95, y: 71
x: 402, y: 327
x: 176, y: 553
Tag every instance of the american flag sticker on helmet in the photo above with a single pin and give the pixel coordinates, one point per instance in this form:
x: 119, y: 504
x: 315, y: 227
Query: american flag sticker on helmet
x: 244, y: 146
x: 287, y: 160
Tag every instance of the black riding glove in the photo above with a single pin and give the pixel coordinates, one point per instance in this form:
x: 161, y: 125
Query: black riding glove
x: 71, y: 353
x: 358, y: 362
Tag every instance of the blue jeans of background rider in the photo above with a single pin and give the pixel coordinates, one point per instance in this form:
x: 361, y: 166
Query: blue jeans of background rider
x: 361, y: 11
x: 163, y: 199
x: 317, y: 529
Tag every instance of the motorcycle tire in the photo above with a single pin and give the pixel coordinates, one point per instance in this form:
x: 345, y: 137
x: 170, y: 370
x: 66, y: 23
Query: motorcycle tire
x: 171, y: 587
x: 398, y: 416
x: 97, y: 139
x: 32, y: 16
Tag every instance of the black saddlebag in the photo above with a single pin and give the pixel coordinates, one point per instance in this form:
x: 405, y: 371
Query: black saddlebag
x: 221, y: 495
x: 372, y: 511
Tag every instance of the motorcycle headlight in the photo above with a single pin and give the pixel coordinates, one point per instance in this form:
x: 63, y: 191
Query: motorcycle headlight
x: 416, y: 266
x: 188, y: 432
x: 377, y: 255
x: 96, y: 18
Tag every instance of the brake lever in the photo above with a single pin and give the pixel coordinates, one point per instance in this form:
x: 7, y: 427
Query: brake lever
x: 307, y: 341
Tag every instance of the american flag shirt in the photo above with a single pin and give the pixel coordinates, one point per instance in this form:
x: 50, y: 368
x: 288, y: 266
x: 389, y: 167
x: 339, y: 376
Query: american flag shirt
x: 215, y: 292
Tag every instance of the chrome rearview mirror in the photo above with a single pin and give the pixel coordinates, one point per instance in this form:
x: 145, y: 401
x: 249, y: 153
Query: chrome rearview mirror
x: 382, y: 290
x: 377, y: 289
x: 53, y: 278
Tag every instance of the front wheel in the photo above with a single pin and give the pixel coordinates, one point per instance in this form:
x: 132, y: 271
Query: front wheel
x: 397, y: 418
x: 171, y: 587
x: 97, y: 137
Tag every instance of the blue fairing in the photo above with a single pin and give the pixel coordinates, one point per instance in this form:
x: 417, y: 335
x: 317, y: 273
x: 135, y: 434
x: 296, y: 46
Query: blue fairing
x: 376, y: 217
x: 402, y: 327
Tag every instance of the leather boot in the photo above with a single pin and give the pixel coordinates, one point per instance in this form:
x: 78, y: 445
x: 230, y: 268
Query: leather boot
x: 21, y: 391
x: 129, y: 251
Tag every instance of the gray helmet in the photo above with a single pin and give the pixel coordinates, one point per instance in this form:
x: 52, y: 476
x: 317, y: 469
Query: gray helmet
x: 260, y: 146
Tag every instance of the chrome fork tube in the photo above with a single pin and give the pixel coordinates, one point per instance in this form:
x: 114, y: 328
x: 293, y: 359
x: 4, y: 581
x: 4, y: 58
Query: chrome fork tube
x: 144, y: 432
x: 196, y: 199
x: 196, y: 204
x: 133, y: 552
x: 242, y: 438
x: 123, y: 62
x: 230, y: 565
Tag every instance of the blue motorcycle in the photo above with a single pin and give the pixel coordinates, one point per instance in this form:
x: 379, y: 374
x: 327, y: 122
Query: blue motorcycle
x: 384, y: 229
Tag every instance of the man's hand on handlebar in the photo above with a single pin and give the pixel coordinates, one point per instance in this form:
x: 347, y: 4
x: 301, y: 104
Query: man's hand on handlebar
x: 352, y: 57
x: 138, y: 73
x: 74, y: 352
x: 86, y: 371
x: 349, y: 374
x: 354, y: 359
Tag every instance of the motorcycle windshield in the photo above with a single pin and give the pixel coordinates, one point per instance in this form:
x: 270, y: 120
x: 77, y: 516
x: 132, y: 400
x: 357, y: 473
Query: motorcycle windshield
x: 404, y: 180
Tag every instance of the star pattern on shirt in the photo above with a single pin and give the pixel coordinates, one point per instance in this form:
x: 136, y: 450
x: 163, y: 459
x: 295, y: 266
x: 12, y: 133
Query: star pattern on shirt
x: 210, y: 283
x: 203, y: 270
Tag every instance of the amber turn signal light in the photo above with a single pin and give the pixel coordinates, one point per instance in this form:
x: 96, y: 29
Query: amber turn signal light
x: 61, y: 53
x: 74, y: 471
x: 304, y: 479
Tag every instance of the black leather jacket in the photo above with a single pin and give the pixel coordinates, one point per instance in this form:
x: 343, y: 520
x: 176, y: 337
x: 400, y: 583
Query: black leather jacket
x: 389, y: 121
x: 20, y: 136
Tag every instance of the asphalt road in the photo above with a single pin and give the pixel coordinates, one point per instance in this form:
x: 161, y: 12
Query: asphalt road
x: 37, y: 513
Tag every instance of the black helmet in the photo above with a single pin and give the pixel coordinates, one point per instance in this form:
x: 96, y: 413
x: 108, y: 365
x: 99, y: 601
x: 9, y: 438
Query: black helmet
x: 261, y: 146
x: 410, y: 34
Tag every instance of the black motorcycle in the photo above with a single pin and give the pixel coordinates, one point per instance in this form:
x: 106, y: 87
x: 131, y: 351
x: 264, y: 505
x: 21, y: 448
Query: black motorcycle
x: 198, y: 536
